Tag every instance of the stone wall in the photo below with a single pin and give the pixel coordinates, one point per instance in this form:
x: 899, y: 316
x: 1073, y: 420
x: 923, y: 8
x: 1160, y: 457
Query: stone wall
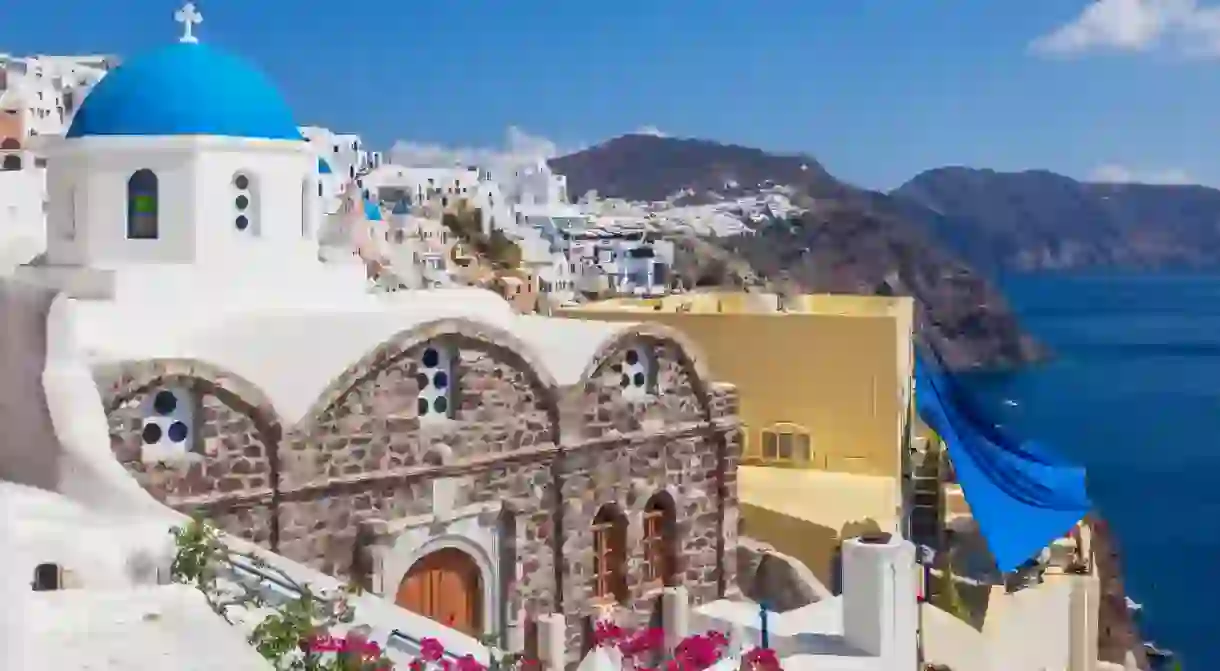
x: 369, y: 439
x: 625, y: 450
x: 232, y: 473
x: 362, y: 458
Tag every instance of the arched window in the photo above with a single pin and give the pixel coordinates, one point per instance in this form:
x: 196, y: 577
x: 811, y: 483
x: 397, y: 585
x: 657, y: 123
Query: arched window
x: 245, y: 203
x: 10, y: 143
x: 609, y: 554
x: 638, y: 372
x: 142, y: 205
x: 786, y: 444
x: 433, y: 376
x: 47, y: 578
x: 307, y: 202
x: 11, y: 163
x: 660, y: 544
x: 168, y: 422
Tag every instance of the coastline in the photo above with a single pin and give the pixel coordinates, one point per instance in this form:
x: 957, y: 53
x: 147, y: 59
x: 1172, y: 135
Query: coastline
x: 1119, y: 639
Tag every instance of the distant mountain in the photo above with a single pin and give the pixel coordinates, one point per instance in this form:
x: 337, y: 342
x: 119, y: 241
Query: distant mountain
x: 1041, y: 220
x: 850, y: 240
x: 652, y: 168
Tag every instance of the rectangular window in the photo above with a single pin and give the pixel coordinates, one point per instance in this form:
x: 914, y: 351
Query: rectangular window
x: 769, y: 449
x: 70, y: 231
x: 603, y: 561
x: 785, y: 446
x: 654, y: 546
x: 802, y: 447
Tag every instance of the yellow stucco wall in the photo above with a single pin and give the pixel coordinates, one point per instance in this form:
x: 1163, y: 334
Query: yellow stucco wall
x: 806, y: 514
x: 835, y: 367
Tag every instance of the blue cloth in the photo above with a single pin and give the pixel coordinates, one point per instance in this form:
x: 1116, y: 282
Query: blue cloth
x: 185, y: 89
x: 371, y: 211
x: 323, y: 167
x: 1022, y: 494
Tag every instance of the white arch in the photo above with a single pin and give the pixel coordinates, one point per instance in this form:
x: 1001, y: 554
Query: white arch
x: 407, y: 552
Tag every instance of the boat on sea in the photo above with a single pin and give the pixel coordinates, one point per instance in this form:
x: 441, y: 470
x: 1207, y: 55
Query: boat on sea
x: 1157, y: 655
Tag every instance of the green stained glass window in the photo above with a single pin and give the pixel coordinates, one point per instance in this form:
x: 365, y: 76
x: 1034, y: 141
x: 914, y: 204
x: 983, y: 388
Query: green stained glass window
x: 145, y: 204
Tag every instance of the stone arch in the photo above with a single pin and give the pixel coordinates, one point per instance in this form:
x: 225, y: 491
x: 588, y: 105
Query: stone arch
x: 689, y: 353
x: 120, y: 381
x: 236, y: 478
x: 398, y: 345
x: 406, y: 555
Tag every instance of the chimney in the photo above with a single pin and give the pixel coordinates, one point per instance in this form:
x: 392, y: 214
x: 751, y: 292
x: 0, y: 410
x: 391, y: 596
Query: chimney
x: 880, y: 611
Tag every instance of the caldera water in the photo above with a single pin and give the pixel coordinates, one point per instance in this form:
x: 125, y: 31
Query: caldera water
x: 1133, y: 394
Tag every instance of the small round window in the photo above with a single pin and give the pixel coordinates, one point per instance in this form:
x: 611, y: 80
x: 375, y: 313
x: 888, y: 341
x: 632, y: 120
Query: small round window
x: 242, y: 222
x: 242, y: 202
x: 241, y: 182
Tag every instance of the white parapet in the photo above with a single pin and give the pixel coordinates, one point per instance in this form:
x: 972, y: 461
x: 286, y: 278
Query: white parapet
x: 880, y: 616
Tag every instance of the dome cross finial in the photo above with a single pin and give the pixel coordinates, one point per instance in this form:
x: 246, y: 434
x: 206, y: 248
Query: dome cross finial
x: 189, y: 17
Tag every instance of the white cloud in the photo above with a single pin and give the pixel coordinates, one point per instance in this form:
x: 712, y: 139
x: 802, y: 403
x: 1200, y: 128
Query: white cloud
x: 650, y: 130
x: 1136, y: 25
x: 518, y: 145
x: 1112, y: 173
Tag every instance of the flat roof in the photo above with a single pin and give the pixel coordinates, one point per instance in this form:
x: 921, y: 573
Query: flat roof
x: 825, y: 498
x: 738, y: 302
x: 143, y: 629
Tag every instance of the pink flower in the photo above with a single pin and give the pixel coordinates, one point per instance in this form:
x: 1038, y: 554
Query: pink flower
x: 606, y: 633
x: 431, y: 649
x: 371, y: 650
x: 468, y: 663
x: 697, y: 652
x: 763, y: 659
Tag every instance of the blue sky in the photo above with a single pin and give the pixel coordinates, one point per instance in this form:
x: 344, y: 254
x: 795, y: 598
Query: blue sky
x: 877, y: 90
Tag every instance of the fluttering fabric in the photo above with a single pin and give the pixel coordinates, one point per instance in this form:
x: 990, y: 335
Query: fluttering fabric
x: 1022, y: 494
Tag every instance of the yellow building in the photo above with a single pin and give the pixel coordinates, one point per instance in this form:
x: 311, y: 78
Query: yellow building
x: 825, y: 387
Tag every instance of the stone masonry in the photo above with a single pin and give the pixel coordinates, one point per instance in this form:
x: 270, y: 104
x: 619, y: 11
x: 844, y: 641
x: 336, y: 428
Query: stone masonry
x: 548, y: 457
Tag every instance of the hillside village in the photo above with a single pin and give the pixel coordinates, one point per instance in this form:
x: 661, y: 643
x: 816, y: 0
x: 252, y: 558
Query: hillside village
x: 415, y: 222
x: 220, y: 313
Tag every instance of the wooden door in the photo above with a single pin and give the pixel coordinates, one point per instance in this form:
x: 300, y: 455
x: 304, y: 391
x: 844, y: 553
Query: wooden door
x: 445, y: 586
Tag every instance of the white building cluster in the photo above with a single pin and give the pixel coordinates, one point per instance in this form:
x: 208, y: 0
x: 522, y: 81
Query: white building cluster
x: 386, y: 215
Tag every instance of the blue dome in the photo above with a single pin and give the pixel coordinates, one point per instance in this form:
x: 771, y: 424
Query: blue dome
x: 323, y: 166
x: 371, y: 211
x: 185, y: 89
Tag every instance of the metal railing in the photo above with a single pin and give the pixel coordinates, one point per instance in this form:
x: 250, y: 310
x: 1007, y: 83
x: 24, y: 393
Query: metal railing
x: 283, y: 591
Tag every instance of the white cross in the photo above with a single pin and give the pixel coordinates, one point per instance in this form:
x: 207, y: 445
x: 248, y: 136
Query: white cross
x: 189, y: 17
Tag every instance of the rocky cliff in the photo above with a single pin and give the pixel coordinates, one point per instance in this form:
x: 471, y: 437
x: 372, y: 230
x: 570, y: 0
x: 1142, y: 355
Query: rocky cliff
x: 1037, y: 220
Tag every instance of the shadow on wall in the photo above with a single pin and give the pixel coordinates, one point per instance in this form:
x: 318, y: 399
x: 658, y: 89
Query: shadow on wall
x: 967, y: 602
x: 32, y: 450
x: 813, y: 545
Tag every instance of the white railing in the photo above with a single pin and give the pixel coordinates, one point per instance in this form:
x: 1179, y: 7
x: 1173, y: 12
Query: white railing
x: 401, y: 646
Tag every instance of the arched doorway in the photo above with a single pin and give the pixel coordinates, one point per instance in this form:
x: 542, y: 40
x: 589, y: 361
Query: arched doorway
x: 445, y: 586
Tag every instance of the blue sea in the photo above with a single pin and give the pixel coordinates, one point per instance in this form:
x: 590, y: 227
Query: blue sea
x: 1134, y: 395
